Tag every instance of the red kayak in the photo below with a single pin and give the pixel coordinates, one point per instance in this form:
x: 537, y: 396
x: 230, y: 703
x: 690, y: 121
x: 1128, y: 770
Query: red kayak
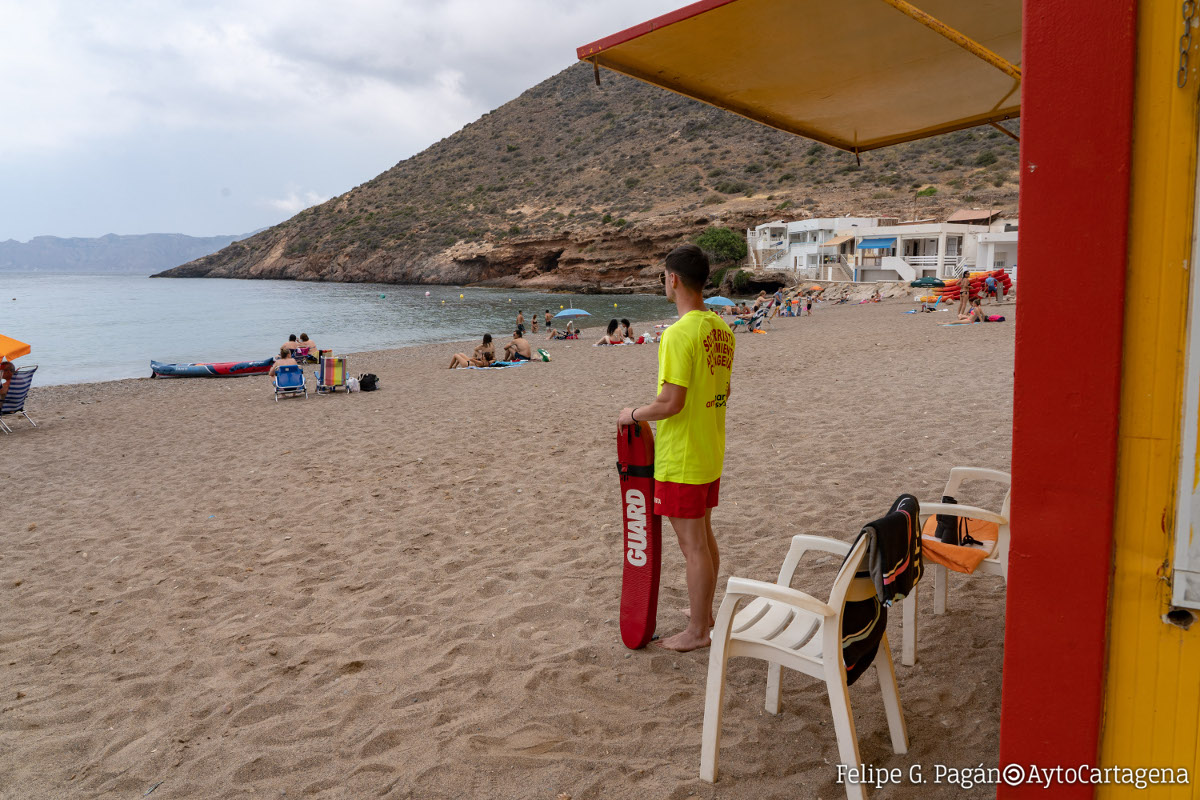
x: 641, y: 539
x: 221, y: 369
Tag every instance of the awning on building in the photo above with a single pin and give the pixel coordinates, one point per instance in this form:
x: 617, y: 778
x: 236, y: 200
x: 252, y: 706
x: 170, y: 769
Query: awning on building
x: 836, y: 241
x: 877, y: 244
x: 870, y: 76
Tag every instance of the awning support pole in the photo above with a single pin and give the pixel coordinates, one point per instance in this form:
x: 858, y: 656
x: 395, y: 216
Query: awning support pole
x: 1004, y: 130
x: 596, y: 71
x: 970, y: 45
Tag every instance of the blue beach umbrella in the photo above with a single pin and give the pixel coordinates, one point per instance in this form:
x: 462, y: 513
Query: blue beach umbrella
x: 572, y: 312
x: 719, y: 301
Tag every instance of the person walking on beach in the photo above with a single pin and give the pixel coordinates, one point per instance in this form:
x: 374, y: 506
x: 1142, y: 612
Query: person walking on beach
x: 695, y: 360
x: 520, y: 320
x: 808, y: 305
x: 548, y: 325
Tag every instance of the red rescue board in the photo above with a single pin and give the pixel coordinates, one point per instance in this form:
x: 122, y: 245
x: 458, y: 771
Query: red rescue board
x: 641, y: 535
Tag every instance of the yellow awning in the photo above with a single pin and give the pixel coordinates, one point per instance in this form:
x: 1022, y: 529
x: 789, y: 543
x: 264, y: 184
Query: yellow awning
x: 855, y: 74
x: 837, y: 240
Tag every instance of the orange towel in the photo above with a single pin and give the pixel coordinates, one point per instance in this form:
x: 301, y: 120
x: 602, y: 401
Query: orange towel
x: 959, y: 559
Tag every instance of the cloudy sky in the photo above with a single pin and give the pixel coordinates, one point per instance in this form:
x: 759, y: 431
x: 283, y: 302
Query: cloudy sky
x: 223, y: 116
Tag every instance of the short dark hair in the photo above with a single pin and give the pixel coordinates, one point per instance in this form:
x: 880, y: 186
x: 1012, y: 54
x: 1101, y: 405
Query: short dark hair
x: 690, y: 264
x: 292, y: 338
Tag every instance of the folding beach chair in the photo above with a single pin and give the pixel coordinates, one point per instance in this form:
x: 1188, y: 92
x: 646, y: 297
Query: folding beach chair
x: 332, y: 374
x: 289, y: 382
x: 834, y: 641
x: 14, y: 401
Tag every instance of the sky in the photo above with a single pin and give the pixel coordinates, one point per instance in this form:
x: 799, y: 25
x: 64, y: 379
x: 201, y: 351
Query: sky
x: 225, y: 116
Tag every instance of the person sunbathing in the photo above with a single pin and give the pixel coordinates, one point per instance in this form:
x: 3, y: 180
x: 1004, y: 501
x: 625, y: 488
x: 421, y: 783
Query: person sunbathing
x: 311, y: 346
x: 974, y: 314
x: 568, y: 333
x: 7, y: 371
x: 284, y: 359
x: 626, y: 331
x: 611, y: 336
x: 518, y: 349
x: 484, y: 355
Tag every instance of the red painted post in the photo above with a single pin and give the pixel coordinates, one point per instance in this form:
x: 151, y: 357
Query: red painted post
x: 1076, y: 121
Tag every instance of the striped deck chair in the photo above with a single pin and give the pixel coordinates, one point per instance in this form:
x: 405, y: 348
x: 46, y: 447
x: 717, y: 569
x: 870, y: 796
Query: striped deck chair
x: 14, y: 401
x: 332, y: 374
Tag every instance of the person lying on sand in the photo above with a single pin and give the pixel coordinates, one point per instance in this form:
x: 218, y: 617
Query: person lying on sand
x: 284, y: 359
x: 518, y: 349
x: 611, y: 336
x: 483, y: 356
x: 568, y: 333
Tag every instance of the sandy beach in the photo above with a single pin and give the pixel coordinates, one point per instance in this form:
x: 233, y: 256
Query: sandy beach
x: 414, y: 592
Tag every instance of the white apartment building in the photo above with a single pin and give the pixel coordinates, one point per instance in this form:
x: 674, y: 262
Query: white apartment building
x: 803, y: 247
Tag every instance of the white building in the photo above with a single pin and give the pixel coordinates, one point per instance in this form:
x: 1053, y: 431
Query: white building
x: 805, y: 247
x: 998, y: 250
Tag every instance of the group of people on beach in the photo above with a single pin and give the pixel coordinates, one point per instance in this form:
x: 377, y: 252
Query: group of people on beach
x: 518, y: 349
x: 295, y: 351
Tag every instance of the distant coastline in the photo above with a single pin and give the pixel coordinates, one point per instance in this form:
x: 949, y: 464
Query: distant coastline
x: 137, y: 254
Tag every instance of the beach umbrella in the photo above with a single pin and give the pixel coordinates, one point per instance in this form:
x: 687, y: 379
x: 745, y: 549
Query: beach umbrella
x: 719, y: 301
x: 572, y: 312
x: 12, y: 349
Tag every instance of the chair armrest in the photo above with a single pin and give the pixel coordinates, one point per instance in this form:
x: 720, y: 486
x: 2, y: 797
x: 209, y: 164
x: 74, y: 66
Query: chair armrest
x: 745, y: 587
x: 956, y: 510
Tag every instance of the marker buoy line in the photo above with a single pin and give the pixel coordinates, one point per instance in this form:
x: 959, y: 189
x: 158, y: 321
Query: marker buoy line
x: 641, y: 535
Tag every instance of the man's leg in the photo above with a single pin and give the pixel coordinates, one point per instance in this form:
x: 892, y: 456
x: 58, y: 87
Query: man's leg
x: 700, y: 554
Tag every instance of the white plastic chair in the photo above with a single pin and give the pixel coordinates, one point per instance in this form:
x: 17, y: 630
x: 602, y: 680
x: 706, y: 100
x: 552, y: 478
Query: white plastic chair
x: 788, y: 628
x: 996, y: 562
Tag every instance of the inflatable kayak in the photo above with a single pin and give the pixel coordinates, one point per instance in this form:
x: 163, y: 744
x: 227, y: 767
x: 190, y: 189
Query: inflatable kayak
x: 222, y: 369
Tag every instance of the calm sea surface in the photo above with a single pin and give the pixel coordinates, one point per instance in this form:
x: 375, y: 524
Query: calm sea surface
x: 105, y: 327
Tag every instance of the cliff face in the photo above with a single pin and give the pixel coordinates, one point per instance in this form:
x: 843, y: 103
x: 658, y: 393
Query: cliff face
x: 575, y: 188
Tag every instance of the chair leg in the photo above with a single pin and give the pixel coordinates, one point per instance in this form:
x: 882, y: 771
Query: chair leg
x: 941, y: 586
x: 774, y: 687
x: 843, y: 723
x: 886, y: 672
x: 714, y: 693
x: 26, y: 416
x: 908, y: 646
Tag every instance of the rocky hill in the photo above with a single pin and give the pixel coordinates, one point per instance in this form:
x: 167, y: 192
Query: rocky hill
x: 575, y: 187
x: 140, y: 254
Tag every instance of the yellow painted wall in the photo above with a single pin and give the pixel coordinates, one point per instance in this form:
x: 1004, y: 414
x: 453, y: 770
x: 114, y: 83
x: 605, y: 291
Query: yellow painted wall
x: 1152, y: 694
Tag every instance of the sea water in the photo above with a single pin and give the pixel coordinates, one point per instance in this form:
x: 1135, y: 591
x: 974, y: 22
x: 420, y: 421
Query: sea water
x: 86, y: 328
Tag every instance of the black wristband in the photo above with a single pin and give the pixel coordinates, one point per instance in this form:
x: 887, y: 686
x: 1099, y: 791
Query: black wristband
x: 631, y: 417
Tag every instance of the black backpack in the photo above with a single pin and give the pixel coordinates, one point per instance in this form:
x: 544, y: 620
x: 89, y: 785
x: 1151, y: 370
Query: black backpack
x: 952, y: 529
x: 368, y: 382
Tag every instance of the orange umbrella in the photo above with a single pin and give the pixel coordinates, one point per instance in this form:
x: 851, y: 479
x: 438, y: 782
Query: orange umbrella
x: 11, y: 348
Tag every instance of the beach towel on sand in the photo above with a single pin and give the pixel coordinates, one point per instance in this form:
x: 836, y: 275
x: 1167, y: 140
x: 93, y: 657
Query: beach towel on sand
x: 501, y: 364
x: 893, y: 563
x: 960, y: 559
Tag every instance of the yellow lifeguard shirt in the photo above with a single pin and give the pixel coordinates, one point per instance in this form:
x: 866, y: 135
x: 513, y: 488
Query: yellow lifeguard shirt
x: 696, y: 353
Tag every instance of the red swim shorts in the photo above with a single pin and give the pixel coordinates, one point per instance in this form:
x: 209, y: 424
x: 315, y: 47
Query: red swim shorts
x: 685, y: 500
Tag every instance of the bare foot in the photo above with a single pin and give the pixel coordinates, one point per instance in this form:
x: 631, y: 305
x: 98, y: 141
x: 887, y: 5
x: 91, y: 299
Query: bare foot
x: 687, y: 612
x: 685, y: 641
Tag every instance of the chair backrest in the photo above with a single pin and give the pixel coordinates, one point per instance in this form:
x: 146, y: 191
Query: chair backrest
x: 333, y: 371
x: 301, y: 351
x: 289, y: 376
x: 845, y: 580
x: 18, y: 389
